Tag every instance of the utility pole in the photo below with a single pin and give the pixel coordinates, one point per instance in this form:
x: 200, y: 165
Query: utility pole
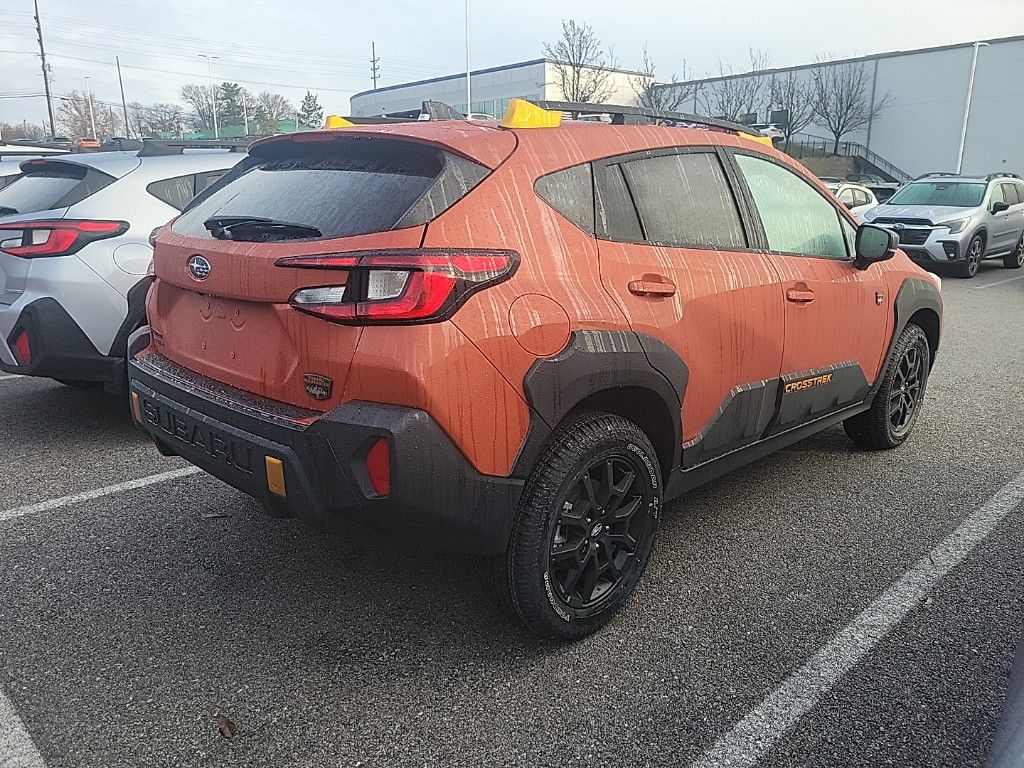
x: 88, y: 96
x: 245, y: 112
x: 213, y: 93
x: 46, y: 72
x: 374, y: 65
x: 124, y: 104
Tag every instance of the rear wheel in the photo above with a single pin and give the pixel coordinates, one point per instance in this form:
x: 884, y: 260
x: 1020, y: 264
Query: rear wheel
x: 585, y: 527
x: 975, y: 250
x: 1015, y: 259
x: 897, y: 404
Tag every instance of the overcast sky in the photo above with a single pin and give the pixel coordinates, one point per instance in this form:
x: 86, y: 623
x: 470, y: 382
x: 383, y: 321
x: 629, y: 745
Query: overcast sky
x: 294, y: 45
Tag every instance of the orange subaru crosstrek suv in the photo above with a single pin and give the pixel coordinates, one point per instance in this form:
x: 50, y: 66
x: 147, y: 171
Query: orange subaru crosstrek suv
x: 520, y: 339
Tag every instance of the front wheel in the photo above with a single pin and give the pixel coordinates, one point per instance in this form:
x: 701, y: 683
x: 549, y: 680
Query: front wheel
x: 897, y: 404
x: 585, y: 527
x: 1015, y: 260
x: 975, y: 251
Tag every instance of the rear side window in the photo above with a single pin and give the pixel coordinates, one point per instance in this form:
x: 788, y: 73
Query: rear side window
x: 796, y: 217
x: 616, y: 212
x: 684, y: 199
x: 571, y: 193
x: 344, y: 187
x: 52, y: 185
x: 176, y: 192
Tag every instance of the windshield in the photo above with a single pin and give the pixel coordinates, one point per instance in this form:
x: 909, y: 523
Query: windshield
x: 954, y: 194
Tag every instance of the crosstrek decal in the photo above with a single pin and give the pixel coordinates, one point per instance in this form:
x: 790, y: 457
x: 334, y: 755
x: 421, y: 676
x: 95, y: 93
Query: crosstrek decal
x: 813, y: 381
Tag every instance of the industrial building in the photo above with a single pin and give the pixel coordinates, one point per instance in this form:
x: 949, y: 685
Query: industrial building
x: 491, y: 89
x: 927, y: 91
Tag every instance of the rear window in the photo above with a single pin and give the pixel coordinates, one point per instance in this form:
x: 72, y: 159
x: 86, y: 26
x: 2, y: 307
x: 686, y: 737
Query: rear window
x: 344, y: 187
x: 52, y: 185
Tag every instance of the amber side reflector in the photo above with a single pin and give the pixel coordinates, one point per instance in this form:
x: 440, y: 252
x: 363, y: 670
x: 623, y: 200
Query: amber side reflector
x: 136, y: 407
x: 759, y: 139
x: 275, y: 476
x: 523, y: 114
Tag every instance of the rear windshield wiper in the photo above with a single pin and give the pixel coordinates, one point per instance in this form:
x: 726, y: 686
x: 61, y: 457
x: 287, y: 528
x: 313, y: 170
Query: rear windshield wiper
x: 257, y: 228
x: 6, y: 210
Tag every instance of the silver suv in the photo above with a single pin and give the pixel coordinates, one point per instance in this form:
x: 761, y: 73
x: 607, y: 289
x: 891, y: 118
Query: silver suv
x: 74, y: 253
x: 942, y: 218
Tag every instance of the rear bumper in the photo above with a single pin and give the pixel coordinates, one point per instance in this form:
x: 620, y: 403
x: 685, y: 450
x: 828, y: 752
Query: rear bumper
x: 60, y: 348
x: 436, y: 499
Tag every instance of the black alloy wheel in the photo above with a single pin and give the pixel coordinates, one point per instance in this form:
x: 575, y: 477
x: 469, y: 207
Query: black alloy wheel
x: 595, y: 536
x: 1015, y: 259
x: 907, y: 391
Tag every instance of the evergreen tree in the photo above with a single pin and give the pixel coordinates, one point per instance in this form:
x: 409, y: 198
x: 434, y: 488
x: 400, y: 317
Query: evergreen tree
x: 310, y: 111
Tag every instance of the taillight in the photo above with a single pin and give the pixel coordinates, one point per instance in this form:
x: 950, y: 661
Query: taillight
x: 402, y: 286
x: 55, y: 237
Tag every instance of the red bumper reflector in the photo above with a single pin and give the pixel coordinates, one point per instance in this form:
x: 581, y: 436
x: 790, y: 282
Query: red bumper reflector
x: 378, y: 466
x: 22, y: 349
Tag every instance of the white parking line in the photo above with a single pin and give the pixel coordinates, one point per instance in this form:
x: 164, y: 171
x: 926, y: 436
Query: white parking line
x: 999, y: 282
x: 63, y: 501
x: 752, y: 737
x: 17, y: 750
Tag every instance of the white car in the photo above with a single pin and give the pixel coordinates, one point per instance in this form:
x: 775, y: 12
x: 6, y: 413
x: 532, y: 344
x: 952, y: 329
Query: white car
x: 771, y: 130
x: 74, y: 254
x: 857, y: 198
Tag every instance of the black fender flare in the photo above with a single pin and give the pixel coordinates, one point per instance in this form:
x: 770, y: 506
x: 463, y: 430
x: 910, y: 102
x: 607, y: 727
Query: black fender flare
x: 596, y: 361
x: 914, y: 295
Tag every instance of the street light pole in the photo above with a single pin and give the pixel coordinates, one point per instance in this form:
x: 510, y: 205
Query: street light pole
x: 88, y: 97
x: 967, y: 106
x: 469, y: 89
x: 213, y: 93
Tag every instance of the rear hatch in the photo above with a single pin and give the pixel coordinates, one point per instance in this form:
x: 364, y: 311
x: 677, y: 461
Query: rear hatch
x: 221, y: 304
x: 47, y: 190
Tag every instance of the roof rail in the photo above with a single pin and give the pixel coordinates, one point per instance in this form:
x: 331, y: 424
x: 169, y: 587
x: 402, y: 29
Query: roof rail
x: 935, y: 173
x: 623, y: 115
x: 1003, y: 175
x: 158, y: 147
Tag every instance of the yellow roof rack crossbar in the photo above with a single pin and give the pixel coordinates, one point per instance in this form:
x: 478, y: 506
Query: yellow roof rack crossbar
x: 524, y: 114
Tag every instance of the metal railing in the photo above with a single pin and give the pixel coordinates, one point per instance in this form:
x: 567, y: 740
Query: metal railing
x: 820, y: 146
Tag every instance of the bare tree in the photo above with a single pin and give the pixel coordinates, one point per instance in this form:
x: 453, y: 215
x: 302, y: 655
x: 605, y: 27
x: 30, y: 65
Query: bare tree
x: 581, y: 64
x: 733, y: 95
x: 272, y: 109
x: 793, y: 93
x: 843, y: 101
x: 22, y: 130
x: 163, y: 119
x: 74, y: 119
x: 665, y: 96
x: 197, y: 96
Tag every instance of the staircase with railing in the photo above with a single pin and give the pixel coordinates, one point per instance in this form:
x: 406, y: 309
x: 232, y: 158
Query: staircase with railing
x: 806, y: 145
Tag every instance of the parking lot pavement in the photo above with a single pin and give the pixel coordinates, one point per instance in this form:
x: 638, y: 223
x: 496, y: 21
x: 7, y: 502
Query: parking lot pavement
x: 130, y: 621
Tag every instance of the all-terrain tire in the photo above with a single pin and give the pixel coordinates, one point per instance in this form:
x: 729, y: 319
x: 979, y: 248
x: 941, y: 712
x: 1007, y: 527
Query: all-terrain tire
x: 968, y: 268
x: 1015, y: 259
x: 897, y: 404
x: 565, y: 514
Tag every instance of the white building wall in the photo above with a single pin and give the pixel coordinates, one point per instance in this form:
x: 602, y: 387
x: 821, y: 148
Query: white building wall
x: 920, y: 131
x: 491, y: 90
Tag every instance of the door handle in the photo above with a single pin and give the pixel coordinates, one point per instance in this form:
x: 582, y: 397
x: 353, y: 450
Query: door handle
x: 649, y: 287
x: 799, y: 296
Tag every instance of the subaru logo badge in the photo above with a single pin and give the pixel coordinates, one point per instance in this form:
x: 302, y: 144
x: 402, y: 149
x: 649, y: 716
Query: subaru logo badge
x: 899, y: 226
x: 198, y: 267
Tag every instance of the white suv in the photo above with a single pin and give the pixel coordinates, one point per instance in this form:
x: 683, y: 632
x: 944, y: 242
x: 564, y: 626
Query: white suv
x: 74, y: 253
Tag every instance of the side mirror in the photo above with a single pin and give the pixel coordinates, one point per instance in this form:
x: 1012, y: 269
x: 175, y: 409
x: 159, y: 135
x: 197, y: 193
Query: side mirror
x: 874, y: 244
x: 1000, y: 207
